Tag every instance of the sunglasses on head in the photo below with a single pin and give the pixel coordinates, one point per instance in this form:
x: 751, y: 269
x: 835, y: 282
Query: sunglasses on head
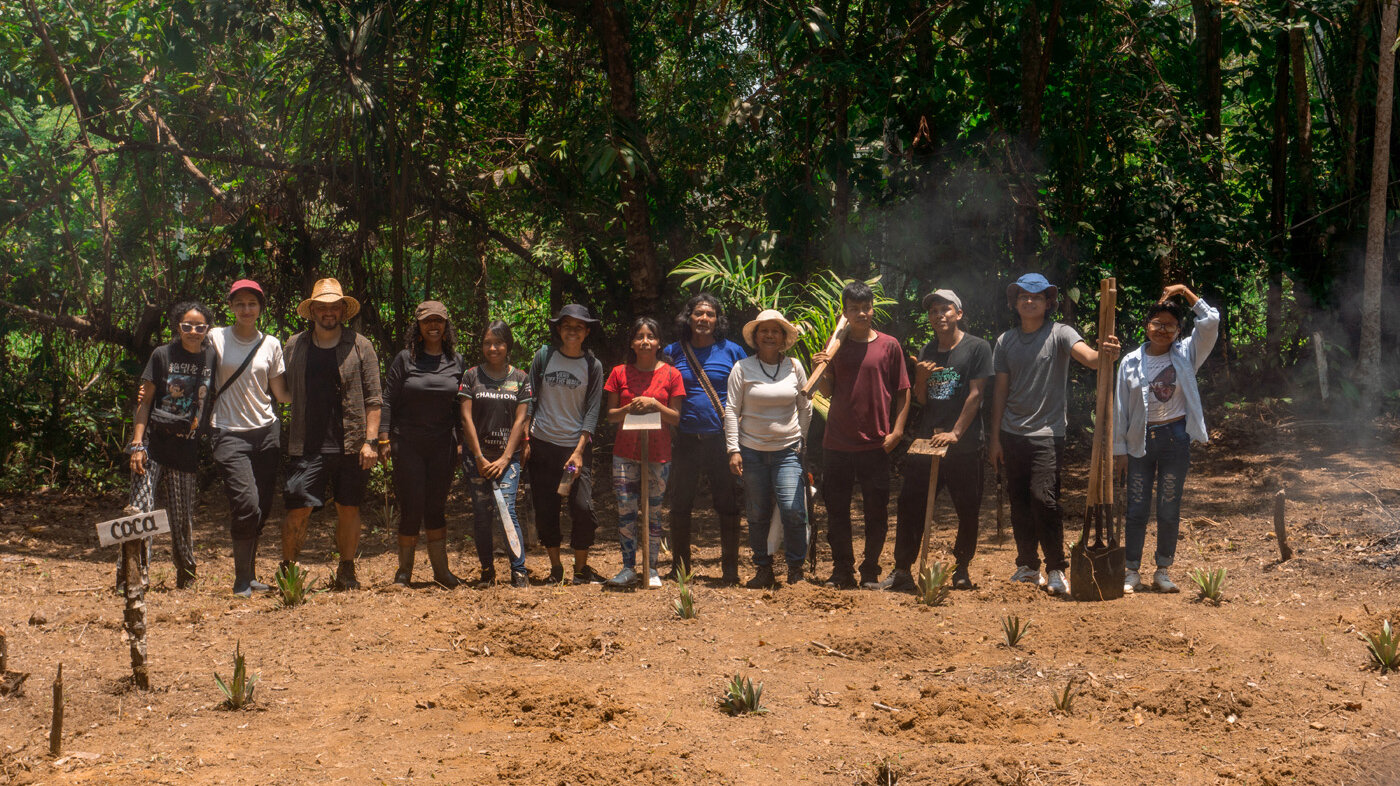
x: 191, y: 327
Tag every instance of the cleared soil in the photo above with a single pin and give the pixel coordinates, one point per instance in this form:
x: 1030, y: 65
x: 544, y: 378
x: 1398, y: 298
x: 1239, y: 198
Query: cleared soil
x: 571, y: 685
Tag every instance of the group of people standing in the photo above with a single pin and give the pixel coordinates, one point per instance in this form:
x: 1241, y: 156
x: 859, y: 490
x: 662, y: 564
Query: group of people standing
x: 738, y: 420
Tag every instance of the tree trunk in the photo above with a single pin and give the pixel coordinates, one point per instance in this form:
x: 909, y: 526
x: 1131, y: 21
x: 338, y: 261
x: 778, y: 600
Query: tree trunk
x: 1306, y: 244
x: 1207, y: 17
x: 1370, y: 355
x: 1352, y: 110
x: 1037, y: 44
x: 1278, y: 207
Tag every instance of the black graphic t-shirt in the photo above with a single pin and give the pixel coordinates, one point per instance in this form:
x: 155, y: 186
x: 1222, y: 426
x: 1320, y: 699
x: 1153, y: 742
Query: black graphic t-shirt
x: 182, y: 382
x: 948, y: 389
x: 494, y: 402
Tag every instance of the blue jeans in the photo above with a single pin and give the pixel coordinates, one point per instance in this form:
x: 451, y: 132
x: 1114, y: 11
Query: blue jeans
x: 486, y: 517
x: 769, y: 475
x: 1166, y: 462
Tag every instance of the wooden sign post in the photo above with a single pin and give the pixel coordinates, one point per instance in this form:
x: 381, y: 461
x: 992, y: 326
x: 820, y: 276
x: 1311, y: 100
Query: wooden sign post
x: 646, y: 424
x: 132, y: 532
x: 925, y: 447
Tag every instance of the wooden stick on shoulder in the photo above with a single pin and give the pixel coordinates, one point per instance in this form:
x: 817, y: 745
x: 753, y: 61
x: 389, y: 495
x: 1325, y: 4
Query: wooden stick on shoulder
x: 833, y: 345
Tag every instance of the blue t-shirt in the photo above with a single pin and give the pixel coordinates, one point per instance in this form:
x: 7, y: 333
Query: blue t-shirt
x: 698, y: 416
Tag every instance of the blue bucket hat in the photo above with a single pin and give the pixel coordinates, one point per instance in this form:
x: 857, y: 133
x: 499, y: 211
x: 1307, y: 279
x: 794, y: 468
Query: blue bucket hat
x: 1032, y: 283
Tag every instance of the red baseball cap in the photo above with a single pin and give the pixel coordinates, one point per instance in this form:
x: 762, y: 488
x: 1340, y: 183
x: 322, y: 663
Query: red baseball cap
x: 247, y: 283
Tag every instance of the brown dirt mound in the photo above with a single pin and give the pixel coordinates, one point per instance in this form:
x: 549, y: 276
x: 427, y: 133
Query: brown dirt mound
x: 948, y: 713
x: 557, y: 704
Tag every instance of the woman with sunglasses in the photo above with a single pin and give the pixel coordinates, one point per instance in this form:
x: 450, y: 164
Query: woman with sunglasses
x: 1158, y: 415
x: 171, y: 406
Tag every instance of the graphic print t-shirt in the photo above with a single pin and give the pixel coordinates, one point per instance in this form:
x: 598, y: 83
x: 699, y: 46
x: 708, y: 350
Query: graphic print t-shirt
x: 949, y: 387
x: 662, y: 383
x: 494, y: 402
x: 1164, y: 398
x: 562, y: 401
x: 182, y: 381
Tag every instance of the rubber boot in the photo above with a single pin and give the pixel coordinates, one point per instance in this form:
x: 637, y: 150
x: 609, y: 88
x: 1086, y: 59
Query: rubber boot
x: 729, y: 549
x: 407, y: 546
x: 243, y: 558
x: 437, y: 557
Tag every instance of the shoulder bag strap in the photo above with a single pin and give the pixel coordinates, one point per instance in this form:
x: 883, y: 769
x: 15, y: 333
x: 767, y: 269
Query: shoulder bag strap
x: 699, y: 372
x: 246, y: 362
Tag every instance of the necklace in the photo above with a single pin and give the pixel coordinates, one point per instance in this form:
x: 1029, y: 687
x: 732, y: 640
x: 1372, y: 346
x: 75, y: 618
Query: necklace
x: 776, y: 369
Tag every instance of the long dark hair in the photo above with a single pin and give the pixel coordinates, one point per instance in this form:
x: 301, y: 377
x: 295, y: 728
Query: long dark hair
x: 184, y: 307
x: 655, y: 327
x: 500, y: 330
x: 683, y: 318
x: 414, y: 342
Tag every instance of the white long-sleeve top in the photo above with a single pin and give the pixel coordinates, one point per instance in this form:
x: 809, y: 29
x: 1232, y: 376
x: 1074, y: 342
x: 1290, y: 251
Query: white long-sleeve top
x: 767, y: 413
x: 1187, y: 355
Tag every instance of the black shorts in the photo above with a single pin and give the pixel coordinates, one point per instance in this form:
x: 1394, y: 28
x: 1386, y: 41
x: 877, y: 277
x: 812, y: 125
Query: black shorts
x: 309, y: 476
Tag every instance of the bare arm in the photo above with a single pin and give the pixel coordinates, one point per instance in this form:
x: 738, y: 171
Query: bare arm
x: 139, y: 417
x: 966, y: 416
x: 901, y: 408
x: 1000, y: 390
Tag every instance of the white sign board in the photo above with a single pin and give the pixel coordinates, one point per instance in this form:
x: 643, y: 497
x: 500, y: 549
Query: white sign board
x: 649, y: 421
x: 142, y: 525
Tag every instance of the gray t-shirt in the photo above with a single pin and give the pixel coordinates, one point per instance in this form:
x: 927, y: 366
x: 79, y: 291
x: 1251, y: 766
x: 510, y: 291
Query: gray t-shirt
x: 561, y: 402
x: 1038, y: 366
x: 247, y: 404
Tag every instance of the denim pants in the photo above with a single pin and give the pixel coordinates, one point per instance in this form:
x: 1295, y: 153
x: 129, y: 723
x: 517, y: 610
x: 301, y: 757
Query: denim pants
x: 627, y: 487
x: 1033, y: 489
x: 841, y: 471
x: 1166, y: 462
x: 485, y: 515
x: 775, y: 477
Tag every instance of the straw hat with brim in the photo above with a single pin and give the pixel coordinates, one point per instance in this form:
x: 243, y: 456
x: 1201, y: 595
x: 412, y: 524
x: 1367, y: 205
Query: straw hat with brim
x: 769, y: 315
x: 327, y: 290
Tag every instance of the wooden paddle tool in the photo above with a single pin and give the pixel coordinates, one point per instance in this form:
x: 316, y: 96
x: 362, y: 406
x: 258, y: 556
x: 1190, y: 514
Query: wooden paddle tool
x: 925, y: 447
x: 833, y: 344
x: 646, y: 424
x: 1097, y: 568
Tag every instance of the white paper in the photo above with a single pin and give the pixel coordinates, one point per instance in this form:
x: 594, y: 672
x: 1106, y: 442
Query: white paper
x: 650, y: 421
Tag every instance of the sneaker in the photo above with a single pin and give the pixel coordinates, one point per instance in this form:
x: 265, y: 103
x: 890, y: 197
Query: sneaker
x: 796, y: 574
x: 519, y: 579
x: 488, y: 578
x: 344, y: 576
x: 899, y: 580
x: 871, y: 582
x: 1026, y: 575
x: 763, y: 578
x: 1162, y: 582
x: 841, y: 580
x: 1056, y: 584
x: 1132, y: 582
x: 653, y: 579
x: 625, y: 579
x: 587, y: 575
x: 961, y: 581
x: 556, y: 575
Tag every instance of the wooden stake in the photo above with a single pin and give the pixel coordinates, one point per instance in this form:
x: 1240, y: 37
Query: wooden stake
x: 4, y: 655
x: 1001, y: 516
x: 644, y: 520
x: 135, y: 616
x: 56, y: 724
x: 1285, y: 553
x: 924, y: 447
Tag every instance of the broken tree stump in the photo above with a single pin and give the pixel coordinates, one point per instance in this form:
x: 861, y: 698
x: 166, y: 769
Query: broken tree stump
x: 135, y: 614
x: 56, y: 725
x: 1285, y: 553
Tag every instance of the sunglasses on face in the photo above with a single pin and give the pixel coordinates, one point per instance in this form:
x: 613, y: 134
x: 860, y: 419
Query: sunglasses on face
x: 190, y: 327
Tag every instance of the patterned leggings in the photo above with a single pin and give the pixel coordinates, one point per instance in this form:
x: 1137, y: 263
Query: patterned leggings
x: 627, y: 487
x: 178, y: 492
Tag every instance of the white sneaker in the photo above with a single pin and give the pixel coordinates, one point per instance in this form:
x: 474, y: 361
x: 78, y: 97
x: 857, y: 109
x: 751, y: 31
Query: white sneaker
x: 653, y: 579
x: 1162, y: 582
x: 1131, y: 582
x: 1025, y: 575
x: 1056, y: 584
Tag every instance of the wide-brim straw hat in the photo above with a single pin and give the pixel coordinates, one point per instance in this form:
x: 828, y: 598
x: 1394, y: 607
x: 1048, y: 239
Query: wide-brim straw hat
x: 770, y: 315
x: 327, y: 290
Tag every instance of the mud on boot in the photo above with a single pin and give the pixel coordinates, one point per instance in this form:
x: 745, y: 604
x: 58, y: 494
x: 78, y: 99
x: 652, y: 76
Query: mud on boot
x: 763, y: 579
x: 437, y: 557
x: 345, y: 576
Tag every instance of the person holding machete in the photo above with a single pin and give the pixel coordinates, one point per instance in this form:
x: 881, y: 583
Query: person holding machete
x: 1159, y: 415
x: 495, y: 398
x: 949, y: 382
x: 1028, y: 416
x: 418, y: 432
x: 869, y: 389
x: 644, y: 384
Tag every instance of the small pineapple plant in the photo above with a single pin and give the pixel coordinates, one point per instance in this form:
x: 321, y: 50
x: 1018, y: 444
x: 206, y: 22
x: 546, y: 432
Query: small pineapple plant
x: 1014, y: 629
x: 933, y: 584
x: 1210, y: 584
x: 238, y: 691
x: 1064, y: 698
x: 1384, y: 648
x: 685, y: 606
x: 292, y: 584
x: 743, y: 697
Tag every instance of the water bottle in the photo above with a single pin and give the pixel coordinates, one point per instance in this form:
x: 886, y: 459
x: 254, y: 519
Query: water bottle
x: 566, y: 482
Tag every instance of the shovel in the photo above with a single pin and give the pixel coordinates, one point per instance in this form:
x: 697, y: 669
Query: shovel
x: 1097, y: 567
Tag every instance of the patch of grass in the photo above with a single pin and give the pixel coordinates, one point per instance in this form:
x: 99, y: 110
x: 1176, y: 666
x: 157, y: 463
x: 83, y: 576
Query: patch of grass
x: 1384, y: 648
x: 743, y: 697
x: 292, y: 584
x: 685, y: 607
x: 238, y: 691
x: 933, y: 584
x: 1014, y: 629
x: 1064, y: 699
x: 1209, y: 583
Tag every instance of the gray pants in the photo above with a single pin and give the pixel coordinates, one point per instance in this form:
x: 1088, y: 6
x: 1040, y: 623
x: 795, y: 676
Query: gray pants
x: 177, y: 492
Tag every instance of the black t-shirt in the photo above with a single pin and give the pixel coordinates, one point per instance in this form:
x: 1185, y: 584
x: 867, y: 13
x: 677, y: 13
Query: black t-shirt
x: 325, y: 427
x: 420, y: 397
x: 494, y: 402
x: 182, y: 381
x: 949, y: 387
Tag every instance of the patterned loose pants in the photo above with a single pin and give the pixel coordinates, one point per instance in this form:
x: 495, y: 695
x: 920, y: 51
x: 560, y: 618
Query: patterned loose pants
x: 176, y: 491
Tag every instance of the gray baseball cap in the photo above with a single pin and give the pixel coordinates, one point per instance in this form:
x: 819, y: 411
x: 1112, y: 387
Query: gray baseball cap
x: 945, y: 295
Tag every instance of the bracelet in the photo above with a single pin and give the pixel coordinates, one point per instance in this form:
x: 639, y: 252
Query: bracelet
x: 136, y: 448
x: 383, y: 440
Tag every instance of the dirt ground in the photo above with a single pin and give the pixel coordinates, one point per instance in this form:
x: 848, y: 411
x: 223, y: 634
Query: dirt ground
x: 571, y: 685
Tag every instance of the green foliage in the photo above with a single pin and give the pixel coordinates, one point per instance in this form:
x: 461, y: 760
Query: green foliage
x: 238, y: 691
x: 1013, y: 629
x: 1209, y: 583
x: 292, y: 584
x: 1384, y: 648
x: 743, y: 697
x: 685, y: 606
x: 1063, y: 699
x: 933, y: 584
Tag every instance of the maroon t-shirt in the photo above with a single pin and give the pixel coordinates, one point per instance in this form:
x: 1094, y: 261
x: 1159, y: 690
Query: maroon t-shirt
x: 865, y: 377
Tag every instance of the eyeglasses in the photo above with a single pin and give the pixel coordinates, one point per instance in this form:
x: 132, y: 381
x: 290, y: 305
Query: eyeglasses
x: 191, y: 327
x: 1161, y: 327
x: 1029, y: 296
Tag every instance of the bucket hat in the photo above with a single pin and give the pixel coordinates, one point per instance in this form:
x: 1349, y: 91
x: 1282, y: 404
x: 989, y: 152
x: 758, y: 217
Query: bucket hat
x: 430, y: 308
x: 327, y: 290
x: 577, y: 312
x: 770, y: 315
x: 1032, y: 283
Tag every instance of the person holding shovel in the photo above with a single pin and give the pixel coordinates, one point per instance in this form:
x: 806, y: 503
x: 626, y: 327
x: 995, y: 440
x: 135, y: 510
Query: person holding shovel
x: 418, y: 432
x: 1159, y: 415
x: 765, y: 423
x: 949, y: 382
x: 1028, y: 416
x: 495, y: 397
x: 869, y: 389
x: 645, y: 384
x: 568, y: 385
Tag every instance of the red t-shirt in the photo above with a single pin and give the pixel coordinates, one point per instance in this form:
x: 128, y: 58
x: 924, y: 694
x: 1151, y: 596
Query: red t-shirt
x: 662, y: 383
x: 865, y: 376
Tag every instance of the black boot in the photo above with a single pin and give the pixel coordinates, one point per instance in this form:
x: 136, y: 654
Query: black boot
x: 763, y: 579
x: 437, y: 557
x: 244, y: 553
x: 796, y: 574
x: 729, y: 549
x: 404, y: 575
x: 345, y: 576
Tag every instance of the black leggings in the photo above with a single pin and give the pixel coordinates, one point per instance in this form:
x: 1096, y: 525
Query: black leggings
x: 423, y: 467
x: 546, y: 468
